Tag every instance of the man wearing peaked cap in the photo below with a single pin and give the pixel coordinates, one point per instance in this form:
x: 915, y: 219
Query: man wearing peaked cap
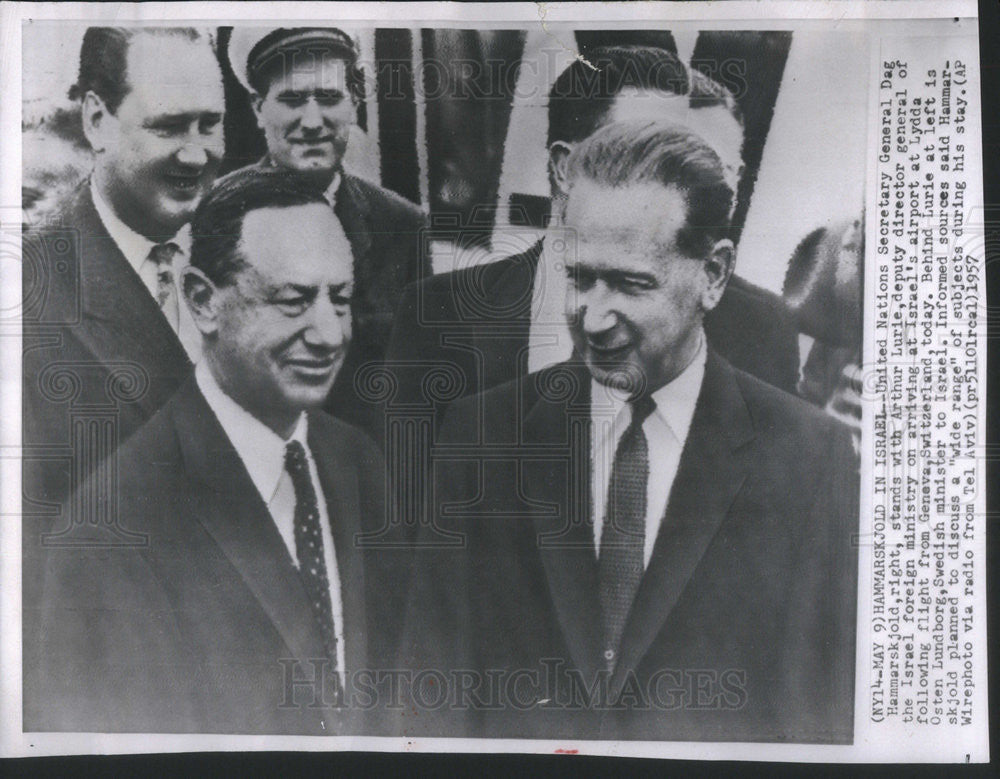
x: 305, y: 85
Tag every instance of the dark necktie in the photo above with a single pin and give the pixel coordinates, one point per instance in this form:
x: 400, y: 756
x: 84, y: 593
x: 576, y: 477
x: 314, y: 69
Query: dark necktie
x: 309, y: 545
x: 624, y: 532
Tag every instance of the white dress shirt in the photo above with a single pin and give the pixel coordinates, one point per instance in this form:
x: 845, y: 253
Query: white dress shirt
x: 263, y: 453
x: 136, y: 249
x: 666, y: 431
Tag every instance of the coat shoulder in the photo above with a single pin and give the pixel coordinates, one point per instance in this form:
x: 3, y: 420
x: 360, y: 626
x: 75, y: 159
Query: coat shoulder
x: 478, y: 281
x: 383, y: 202
x: 346, y: 438
x: 790, y: 419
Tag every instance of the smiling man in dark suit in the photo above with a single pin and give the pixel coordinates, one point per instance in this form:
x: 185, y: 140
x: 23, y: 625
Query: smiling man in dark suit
x: 251, y: 595
x: 102, y: 313
x: 106, y: 341
x: 305, y: 85
x: 644, y: 542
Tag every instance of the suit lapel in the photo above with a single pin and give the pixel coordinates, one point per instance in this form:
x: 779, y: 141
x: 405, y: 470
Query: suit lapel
x: 121, y: 321
x: 713, y: 467
x: 563, y: 529
x: 340, y: 489
x: 233, y: 513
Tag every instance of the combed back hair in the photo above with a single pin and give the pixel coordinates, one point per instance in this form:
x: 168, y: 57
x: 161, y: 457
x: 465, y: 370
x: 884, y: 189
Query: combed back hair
x: 104, y: 60
x: 581, y: 97
x: 622, y: 154
x: 218, y: 221
x: 260, y: 77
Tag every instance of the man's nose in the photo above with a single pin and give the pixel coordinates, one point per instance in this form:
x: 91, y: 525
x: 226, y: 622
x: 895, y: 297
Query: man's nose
x: 194, y: 153
x: 312, y: 116
x: 594, y: 311
x: 330, y: 326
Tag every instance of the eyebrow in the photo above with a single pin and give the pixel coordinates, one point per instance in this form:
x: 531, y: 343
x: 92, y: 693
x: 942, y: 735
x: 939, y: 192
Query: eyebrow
x: 318, y: 91
x: 306, y: 289
x: 187, y: 116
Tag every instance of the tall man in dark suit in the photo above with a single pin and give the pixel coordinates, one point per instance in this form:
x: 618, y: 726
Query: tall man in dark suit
x: 252, y: 594
x: 645, y: 542
x: 106, y: 341
x: 305, y: 84
x: 499, y: 321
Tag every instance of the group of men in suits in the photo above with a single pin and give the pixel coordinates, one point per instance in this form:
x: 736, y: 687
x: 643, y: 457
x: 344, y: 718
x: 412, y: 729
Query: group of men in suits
x: 611, y: 495
x: 178, y: 582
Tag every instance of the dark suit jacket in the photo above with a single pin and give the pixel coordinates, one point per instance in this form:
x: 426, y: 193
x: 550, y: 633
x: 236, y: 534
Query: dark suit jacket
x: 391, y: 250
x: 202, y: 627
x: 743, y: 627
x: 97, y: 348
x: 99, y: 360
x: 477, y: 321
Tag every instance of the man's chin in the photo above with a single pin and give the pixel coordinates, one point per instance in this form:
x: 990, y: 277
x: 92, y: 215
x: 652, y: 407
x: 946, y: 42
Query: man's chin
x: 310, y: 397
x: 172, y: 214
x: 624, y: 376
x: 322, y: 167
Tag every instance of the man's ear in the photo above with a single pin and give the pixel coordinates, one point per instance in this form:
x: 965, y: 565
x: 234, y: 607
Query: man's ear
x: 256, y: 101
x: 97, y: 121
x: 559, y: 153
x: 202, y: 297
x: 719, y: 266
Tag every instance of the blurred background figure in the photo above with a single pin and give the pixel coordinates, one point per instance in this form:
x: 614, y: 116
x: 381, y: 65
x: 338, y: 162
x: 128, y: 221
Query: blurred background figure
x: 823, y: 291
x: 56, y: 157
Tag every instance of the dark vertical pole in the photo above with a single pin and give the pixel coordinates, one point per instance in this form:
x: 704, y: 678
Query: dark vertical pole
x: 750, y: 65
x: 397, y: 112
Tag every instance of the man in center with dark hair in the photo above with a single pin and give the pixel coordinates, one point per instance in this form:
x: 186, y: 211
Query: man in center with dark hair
x: 643, y: 542
x: 253, y: 598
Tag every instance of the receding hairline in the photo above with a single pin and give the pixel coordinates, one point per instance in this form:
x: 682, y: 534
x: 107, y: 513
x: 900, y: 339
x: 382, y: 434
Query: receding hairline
x: 191, y: 36
x: 659, y: 188
x: 338, y: 232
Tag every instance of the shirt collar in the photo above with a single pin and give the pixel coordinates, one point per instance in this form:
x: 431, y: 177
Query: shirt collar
x: 135, y: 247
x: 675, y: 401
x: 330, y: 193
x: 260, y: 448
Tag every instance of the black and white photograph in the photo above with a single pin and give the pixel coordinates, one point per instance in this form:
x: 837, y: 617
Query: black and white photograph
x: 606, y: 385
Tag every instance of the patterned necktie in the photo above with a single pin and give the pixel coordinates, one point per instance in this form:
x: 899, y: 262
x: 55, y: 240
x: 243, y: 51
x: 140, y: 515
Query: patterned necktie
x: 309, y: 545
x: 623, y: 535
x: 162, y: 257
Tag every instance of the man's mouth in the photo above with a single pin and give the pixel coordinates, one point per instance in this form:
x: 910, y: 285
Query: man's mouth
x: 608, y: 353
x: 183, y: 182
x: 314, y: 367
x: 312, y: 141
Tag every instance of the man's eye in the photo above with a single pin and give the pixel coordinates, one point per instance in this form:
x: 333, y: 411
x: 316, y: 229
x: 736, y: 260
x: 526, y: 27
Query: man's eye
x: 293, y: 305
x: 633, y: 286
x: 169, y: 128
x: 292, y: 99
x: 209, y: 124
x: 329, y: 99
